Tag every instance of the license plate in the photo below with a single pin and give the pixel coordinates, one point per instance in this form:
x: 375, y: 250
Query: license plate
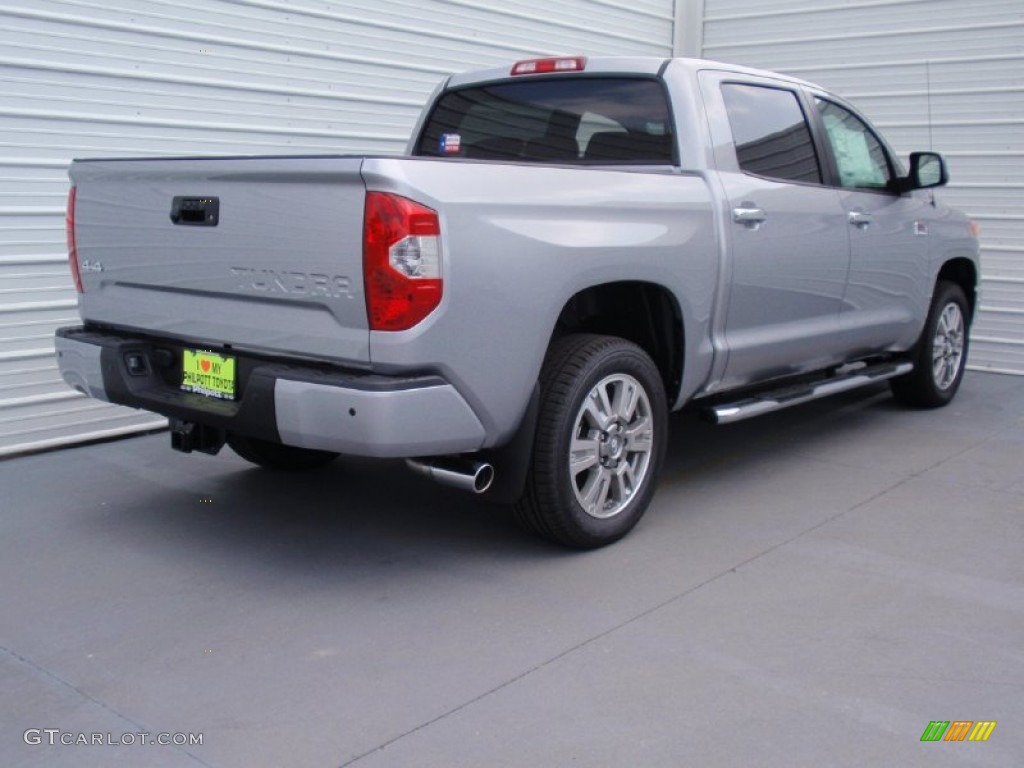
x: 207, y: 373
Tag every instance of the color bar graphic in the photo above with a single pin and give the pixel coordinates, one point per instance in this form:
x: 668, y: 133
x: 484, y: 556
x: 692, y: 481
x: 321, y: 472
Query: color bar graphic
x: 958, y: 730
x: 982, y: 730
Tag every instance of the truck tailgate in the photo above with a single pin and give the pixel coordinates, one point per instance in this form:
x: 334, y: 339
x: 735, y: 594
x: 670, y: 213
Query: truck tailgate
x: 261, y: 253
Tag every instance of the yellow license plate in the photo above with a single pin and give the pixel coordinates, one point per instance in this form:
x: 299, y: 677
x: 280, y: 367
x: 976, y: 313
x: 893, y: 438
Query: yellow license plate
x: 208, y: 373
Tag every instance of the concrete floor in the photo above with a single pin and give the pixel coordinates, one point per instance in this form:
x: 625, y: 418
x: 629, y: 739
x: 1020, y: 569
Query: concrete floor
x: 808, y: 589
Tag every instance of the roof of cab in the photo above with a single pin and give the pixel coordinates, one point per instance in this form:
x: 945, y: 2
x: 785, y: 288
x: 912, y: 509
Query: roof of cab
x: 620, y: 65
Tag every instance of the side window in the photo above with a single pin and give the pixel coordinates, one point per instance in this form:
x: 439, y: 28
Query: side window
x: 860, y: 158
x: 771, y: 133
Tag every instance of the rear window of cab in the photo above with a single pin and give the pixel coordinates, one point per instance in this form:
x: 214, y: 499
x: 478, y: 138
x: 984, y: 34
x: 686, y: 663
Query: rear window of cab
x: 574, y: 120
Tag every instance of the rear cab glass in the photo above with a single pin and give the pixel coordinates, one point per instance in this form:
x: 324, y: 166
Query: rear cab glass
x: 575, y: 120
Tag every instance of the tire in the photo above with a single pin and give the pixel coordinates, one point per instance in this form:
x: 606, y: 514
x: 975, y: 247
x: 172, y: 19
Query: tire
x: 940, y: 355
x: 605, y: 395
x: 278, y: 456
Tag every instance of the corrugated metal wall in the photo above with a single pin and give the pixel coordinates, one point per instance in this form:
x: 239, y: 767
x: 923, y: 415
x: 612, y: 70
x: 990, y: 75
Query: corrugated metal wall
x: 88, y: 78
x: 961, y: 64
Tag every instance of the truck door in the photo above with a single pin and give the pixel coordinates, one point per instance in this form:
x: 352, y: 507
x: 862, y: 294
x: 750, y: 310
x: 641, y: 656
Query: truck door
x: 789, y: 248
x: 889, y: 286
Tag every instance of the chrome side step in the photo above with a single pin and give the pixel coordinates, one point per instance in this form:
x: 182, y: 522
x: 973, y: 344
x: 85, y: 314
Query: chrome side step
x: 776, y: 400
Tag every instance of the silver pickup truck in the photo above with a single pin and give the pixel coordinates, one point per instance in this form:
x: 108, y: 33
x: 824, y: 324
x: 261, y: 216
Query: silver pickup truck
x: 570, y: 249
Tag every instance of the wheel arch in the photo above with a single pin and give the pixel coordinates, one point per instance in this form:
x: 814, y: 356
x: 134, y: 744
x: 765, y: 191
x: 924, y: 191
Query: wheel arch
x: 644, y: 313
x: 963, y: 272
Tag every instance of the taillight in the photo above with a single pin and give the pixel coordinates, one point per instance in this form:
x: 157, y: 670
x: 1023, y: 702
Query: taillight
x: 401, y: 261
x: 69, y: 225
x: 544, y: 66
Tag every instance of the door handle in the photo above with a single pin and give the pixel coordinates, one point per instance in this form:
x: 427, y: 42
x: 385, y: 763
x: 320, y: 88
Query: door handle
x: 860, y: 218
x: 749, y: 216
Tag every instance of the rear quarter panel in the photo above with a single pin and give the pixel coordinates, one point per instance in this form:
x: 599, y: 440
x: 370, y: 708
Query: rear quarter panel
x: 519, y: 241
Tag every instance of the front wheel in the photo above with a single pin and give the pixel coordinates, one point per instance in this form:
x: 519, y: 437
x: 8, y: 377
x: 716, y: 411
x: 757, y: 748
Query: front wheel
x: 940, y: 355
x: 600, y: 441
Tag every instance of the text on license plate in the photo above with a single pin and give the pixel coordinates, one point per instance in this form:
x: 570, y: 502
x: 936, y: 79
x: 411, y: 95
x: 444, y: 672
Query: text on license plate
x: 207, y: 373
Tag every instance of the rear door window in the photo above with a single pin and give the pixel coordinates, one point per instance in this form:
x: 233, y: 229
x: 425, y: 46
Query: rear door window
x: 595, y: 120
x: 771, y: 133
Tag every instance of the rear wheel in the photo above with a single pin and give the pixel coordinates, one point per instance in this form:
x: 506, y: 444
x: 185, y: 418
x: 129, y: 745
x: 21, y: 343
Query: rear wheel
x: 600, y: 442
x: 278, y: 456
x: 940, y: 355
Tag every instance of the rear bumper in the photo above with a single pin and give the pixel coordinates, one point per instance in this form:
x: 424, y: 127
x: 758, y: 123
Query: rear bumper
x: 295, y: 403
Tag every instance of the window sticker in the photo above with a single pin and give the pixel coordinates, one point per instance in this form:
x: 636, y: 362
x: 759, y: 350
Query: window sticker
x: 450, y: 144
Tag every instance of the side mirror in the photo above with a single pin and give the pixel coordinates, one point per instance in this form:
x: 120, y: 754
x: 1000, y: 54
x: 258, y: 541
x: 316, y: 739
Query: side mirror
x: 927, y: 170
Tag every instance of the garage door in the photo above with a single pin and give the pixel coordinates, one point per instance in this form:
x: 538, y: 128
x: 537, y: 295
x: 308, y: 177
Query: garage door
x: 163, y: 77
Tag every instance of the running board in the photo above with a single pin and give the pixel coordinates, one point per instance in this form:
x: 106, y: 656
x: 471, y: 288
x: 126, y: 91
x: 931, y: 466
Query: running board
x: 776, y: 400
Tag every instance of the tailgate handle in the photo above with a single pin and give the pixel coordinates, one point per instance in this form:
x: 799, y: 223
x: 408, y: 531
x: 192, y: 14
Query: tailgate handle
x: 197, y: 211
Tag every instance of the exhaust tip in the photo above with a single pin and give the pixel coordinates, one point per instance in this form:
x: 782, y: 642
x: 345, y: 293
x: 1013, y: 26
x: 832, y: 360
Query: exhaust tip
x: 483, y: 477
x: 472, y: 476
